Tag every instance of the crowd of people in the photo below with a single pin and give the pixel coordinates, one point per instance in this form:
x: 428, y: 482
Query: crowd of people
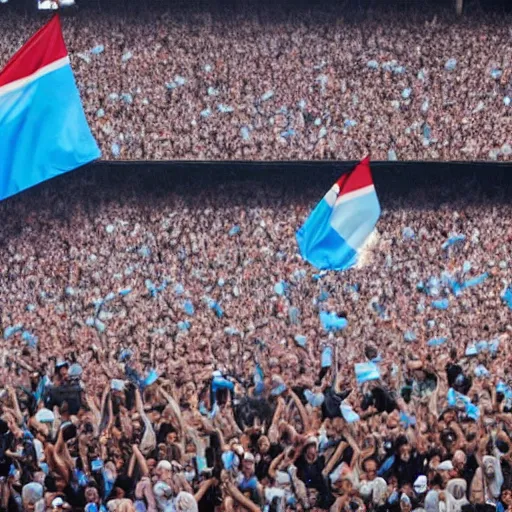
x: 274, y: 83
x: 166, y: 348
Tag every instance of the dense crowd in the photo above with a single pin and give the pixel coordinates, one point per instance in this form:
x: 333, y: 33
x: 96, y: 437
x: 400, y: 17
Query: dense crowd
x: 279, y: 84
x: 167, y: 349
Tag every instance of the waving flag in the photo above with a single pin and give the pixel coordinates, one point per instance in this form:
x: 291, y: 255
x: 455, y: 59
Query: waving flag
x: 43, y: 129
x: 342, y: 221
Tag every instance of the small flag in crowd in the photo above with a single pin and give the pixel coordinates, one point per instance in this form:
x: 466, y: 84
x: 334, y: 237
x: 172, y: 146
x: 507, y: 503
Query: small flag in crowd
x: 43, y: 127
x: 337, y: 229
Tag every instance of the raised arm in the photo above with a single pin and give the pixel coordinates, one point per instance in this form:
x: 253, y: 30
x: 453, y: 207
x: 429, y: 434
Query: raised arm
x: 302, y: 410
x: 342, y: 445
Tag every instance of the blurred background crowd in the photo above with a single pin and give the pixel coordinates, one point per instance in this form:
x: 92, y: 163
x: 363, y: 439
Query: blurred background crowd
x: 269, y: 82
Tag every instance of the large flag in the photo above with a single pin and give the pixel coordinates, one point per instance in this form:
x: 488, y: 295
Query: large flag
x: 43, y: 129
x: 338, y: 227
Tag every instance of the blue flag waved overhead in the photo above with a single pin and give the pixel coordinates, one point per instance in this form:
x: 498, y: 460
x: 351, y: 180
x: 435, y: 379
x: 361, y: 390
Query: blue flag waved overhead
x: 337, y: 229
x: 43, y: 127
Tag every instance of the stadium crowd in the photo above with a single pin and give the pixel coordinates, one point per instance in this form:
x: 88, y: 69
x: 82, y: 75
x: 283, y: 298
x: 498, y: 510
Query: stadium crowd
x: 271, y: 84
x: 168, y: 350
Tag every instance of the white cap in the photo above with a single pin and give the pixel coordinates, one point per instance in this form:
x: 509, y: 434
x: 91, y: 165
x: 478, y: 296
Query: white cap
x: 164, y: 464
x: 446, y: 465
x: 420, y: 485
x: 249, y: 456
x: 58, y: 502
x: 45, y: 416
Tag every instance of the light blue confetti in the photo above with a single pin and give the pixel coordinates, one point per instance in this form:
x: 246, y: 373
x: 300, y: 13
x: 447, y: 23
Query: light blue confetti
x: 280, y: 288
x: 332, y: 322
x: 427, y: 132
x: 288, y: 133
x: 144, y: 251
x: 215, y: 307
x: 506, y: 297
x: 372, y: 64
x: 408, y: 233
x: 206, y: 113
x: 453, y: 240
x: 30, y: 339
x: 450, y: 64
x: 127, y: 98
x: 406, y: 93
x: 179, y: 290
x: 10, y: 331
x: 115, y: 149
x: 496, y: 74
x: 392, y: 155
x: 124, y: 292
x: 320, y: 275
x: 234, y: 230
x: 326, y: 358
x: 212, y: 91
x: 475, y: 281
x: 184, y: 325
x: 126, y: 56
x: 301, y: 340
x: 466, y: 267
x: 441, y: 304
x: 268, y: 95
x: 100, y: 113
x: 436, y: 342
x: 245, y: 133
x: 410, y: 336
x: 224, y: 109
x: 31, y: 307
x: 188, y: 307
x: 100, y: 326
x: 179, y: 80
x: 349, y: 123
x: 98, y: 49
x: 110, y: 229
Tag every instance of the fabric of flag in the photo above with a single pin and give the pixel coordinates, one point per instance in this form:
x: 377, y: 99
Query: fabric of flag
x: 366, y: 372
x: 43, y: 127
x: 338, y: 227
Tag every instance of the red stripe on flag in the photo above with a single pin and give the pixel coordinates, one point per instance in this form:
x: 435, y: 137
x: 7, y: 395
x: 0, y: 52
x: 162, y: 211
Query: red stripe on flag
x: 43, y: 48
x: 358, y: 178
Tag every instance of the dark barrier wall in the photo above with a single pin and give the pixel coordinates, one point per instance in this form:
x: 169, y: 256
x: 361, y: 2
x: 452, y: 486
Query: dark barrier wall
x: 402, y: 177
x: 306, y: 181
